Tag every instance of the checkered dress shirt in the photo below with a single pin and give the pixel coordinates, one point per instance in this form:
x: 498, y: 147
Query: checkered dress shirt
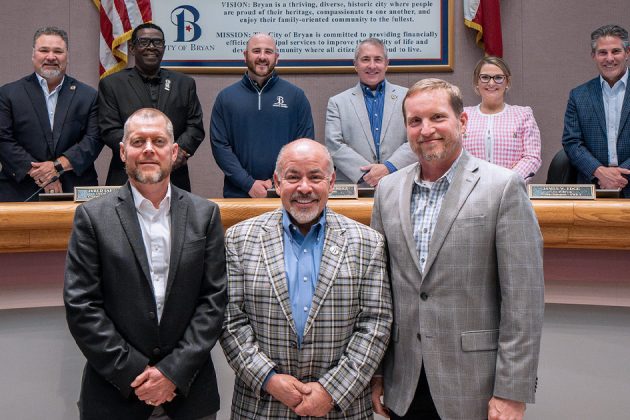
x: 426, y: 202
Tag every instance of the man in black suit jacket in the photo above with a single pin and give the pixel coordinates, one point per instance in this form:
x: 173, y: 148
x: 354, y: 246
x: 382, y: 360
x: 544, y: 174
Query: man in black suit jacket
x: 148, y: 86
x: 48, y: 125
x: 145, y: 288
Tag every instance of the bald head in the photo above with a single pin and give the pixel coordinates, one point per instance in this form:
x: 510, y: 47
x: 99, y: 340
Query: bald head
x: 261, y: 37
x: 306, y: 148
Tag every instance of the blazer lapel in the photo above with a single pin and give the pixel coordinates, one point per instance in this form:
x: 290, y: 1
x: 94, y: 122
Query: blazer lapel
x: 625, y: 109
x: 404, y: 209
x: 595, y: 91
x: 129, y: 221
x: 358, y: 102
x: 166, y: 85
x: 271, y: 240
x: 464, y: 180
x: 333, y: 253
x: 35, y: 94
x: 179, y: 216
x: 391, y: 99
x: 66, y: 94
x: 137, y: 85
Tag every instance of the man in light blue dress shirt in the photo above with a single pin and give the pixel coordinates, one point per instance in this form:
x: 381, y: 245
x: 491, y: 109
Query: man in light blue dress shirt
x: 596, y: 133
x: 309, y: 312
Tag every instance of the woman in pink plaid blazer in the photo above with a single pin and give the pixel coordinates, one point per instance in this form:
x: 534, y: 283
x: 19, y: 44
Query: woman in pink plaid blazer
x: 506, y: 135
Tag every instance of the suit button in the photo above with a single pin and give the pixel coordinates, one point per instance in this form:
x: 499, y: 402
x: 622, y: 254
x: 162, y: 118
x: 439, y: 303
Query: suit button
x: 156, y: 351
x: 419, y: 337
x: 151, y: 315
x: 424, y: 296
x: 293, y: 345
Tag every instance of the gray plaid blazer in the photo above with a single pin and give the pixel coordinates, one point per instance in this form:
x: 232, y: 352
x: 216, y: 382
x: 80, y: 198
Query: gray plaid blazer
x: 474, y: 317
x: 347, y: 329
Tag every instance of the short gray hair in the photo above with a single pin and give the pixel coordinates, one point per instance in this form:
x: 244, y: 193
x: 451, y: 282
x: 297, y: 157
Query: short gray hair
x: 279, y: 160
x: 609, y: 30
x: 51, y: 30
x: 148, y: 114
x: 370, y: 41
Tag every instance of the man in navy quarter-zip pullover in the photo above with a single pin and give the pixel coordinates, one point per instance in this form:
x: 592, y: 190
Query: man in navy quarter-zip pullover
x: 253, y: 118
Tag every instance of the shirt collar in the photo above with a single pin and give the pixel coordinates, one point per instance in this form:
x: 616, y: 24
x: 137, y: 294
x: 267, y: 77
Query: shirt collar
x: 623, y: 81
x: 141, y: 202
x: 448, y: 175
x: 291, y: 229
x: 380, y: 88
x: 44, y: 84
x: 157, y: 79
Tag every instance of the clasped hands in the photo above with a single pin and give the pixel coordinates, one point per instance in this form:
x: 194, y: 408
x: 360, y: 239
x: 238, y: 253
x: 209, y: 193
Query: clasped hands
x: 42, y: 173
x: 305, y: 399
x: 152, y: 387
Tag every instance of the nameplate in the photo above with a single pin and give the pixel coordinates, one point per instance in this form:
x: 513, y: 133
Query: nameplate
x: 87, y: 193
x: 561, y: 191
x: 343, y: 190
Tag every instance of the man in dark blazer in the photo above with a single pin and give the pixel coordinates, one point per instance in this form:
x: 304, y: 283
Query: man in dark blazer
x: 148, y: 86
x: 465, y: 264
x: 596, y: 133
x: 145, y: 288
x: 48, y: 125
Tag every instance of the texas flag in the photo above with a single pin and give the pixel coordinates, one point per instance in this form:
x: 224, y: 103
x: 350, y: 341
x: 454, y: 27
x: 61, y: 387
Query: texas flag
x: 484, y: 16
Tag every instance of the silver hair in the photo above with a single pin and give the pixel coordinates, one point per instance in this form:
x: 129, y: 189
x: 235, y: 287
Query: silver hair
x: 148, y: 114
x: 370, y: 41
x: 609, y: 30
x: 278, y: 170
x: 51, y: 30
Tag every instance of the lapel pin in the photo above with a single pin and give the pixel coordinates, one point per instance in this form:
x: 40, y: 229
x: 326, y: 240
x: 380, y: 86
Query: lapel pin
x: 167, y: 84
x: 72, y: 87
x: 334, y: 250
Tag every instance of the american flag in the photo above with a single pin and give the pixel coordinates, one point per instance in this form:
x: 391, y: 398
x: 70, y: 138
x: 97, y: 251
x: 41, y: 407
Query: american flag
x: 118, y: 18
x: 484, y: 16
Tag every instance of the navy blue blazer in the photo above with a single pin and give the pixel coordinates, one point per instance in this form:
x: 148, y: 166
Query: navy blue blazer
x: 26, y: 136
x: 585, y: 138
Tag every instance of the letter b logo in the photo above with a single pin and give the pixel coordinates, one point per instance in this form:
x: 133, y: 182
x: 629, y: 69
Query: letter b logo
x: 185, y: 18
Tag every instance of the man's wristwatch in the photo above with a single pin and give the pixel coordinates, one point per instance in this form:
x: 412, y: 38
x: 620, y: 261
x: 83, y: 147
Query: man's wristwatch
x: 58, y: 166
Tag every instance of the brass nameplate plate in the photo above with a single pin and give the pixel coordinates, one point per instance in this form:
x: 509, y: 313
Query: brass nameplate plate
x: 343, y: 190
x: 561, y: 191
x: 87, y: 193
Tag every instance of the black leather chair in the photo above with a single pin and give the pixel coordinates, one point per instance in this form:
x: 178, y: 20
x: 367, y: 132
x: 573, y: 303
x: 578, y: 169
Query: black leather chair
x: 561, y: 171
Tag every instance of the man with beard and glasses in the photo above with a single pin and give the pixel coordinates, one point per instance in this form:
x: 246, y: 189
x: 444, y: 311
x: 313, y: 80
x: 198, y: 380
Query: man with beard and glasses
x: 253, y: 118
x: 466, y: 272
x: 48, y: 125
x: 147, y: 85
x: 596, y: 133
x: 309, y: 310
x: 145, y: 288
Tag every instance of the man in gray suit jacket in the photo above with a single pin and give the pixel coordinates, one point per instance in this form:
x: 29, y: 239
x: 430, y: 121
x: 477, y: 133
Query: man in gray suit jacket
x: 466, y: 272
x: 145, y: 288
x: 309, y: 309
x: 365, y: 132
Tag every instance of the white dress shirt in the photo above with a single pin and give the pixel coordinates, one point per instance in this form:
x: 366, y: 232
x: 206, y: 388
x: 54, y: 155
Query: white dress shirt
x: 156, y: 234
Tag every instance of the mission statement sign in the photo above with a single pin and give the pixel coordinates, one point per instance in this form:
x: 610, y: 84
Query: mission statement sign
x: 312, y: 36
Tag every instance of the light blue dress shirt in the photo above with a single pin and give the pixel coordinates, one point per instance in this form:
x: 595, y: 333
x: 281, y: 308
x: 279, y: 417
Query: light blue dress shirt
x: 613, y: 102
x: 51, y: 97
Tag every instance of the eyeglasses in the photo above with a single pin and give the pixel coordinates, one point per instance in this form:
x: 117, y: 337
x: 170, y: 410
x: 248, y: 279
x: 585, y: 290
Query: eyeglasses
x: 498, y: 78
x: 145, y: 42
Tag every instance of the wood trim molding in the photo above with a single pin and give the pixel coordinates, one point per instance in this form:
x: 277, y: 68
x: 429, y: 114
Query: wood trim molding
x: 599, y: 224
